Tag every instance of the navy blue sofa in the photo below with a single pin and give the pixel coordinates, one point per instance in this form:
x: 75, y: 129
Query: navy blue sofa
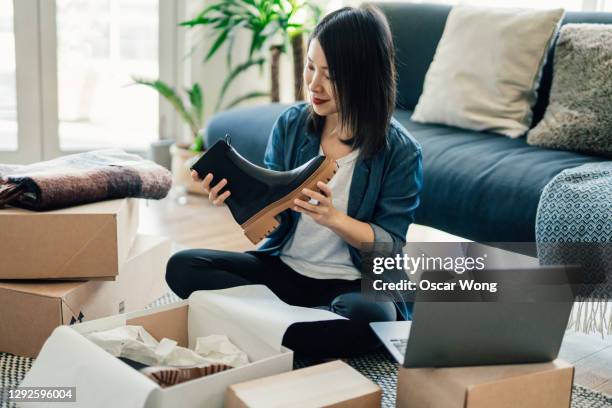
x: 481, y: 186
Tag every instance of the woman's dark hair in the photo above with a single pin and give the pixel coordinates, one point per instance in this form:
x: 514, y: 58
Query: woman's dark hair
x: 358, y: 46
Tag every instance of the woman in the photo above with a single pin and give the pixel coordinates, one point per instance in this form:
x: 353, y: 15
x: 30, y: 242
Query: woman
x: 313, y: 258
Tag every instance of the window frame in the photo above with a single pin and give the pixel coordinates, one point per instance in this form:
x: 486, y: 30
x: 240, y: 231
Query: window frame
x: 27, y: 80
x: 37, y: 77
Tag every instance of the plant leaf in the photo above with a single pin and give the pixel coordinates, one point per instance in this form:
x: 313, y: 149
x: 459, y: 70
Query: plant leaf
x: 199, y: 21
x: 218, y: 42
x: 196, y: 99
x: 198, y: 144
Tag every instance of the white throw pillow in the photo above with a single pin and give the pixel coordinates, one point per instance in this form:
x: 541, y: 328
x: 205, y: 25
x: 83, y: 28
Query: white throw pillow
x: 486, y: 69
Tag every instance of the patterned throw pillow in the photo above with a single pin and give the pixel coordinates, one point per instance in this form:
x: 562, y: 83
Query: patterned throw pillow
x: 579, y: 114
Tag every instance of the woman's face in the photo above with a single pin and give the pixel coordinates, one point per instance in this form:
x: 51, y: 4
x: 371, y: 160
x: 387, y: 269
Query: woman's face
x: 316, y: 77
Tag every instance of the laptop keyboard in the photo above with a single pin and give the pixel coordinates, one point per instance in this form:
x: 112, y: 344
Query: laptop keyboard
x: 400, y: 345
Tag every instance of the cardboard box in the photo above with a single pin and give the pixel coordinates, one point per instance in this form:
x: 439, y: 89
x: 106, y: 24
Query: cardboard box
x: 334, y: 384
x: 29, y: 311
x: 85, y: 242
x: 101, y: 380
x: 542, y: 385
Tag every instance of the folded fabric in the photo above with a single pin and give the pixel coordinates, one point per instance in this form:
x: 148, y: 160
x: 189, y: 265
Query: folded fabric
x: 80, y: 179
x: 136, y: 344
x: 168, y: 376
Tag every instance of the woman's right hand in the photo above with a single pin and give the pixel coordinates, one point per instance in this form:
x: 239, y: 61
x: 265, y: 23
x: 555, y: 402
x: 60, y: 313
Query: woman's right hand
x: 213, y: 192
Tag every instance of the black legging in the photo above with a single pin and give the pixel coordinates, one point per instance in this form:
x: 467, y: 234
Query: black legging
x: 204, y: 269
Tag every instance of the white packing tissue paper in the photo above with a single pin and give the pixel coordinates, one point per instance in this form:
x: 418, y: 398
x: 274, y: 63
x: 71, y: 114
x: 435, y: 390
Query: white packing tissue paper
x: 135, y: 343
x: 218, y: 348
x: 251, y: 308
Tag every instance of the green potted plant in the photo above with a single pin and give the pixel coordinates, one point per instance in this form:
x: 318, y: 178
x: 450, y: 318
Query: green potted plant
x: 273, y: 24
x: 192, y: 114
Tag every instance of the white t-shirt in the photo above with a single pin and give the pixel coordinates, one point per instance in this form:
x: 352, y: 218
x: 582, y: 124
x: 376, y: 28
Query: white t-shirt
x: 316, y: 251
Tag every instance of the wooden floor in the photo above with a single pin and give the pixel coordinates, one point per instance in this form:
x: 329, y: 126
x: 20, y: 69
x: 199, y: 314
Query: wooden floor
x: 198, y: 224
x: 195, y: 224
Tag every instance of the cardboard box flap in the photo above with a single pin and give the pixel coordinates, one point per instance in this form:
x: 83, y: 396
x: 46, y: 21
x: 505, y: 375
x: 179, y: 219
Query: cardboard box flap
x: 67, y: 360
x: 170, y: 323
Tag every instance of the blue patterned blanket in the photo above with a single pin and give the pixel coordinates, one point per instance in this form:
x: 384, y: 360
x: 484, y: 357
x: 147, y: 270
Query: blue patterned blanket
x: 574, y: 226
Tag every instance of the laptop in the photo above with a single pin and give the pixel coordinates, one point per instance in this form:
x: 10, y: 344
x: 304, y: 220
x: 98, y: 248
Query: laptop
x: 524, y: 323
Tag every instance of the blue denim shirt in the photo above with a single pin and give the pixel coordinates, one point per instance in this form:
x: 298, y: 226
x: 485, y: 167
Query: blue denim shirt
x: 384, y: 189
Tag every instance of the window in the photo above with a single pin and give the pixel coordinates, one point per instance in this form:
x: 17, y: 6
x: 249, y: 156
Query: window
x: 66, y: 70
x: 100, y: 45
x: 8, y: 93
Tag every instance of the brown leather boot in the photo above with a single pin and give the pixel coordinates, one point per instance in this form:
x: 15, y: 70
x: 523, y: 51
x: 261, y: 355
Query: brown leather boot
x: 258, y: 194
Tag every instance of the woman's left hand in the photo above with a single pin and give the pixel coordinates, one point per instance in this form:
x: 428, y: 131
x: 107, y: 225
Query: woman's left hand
x: 324, y: 213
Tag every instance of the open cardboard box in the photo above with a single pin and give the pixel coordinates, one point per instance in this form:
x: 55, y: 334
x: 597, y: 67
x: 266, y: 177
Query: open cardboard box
x: 101, y: 380
x: 30, y: 310
x: 84, y: 242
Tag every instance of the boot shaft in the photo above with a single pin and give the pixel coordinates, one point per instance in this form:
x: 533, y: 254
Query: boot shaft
x: 252, y: 187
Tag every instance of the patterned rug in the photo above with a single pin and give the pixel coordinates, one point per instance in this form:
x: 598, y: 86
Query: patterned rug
x: 378, y: 367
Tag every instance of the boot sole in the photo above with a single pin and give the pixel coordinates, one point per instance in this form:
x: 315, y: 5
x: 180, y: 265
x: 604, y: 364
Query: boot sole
x: 264, y: 222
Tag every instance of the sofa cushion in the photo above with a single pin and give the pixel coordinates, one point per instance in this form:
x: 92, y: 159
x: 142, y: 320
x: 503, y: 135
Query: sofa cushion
x: 487, y: 68
x: 547, y: 74
x: 483, y: 186
x: 579, y: 115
